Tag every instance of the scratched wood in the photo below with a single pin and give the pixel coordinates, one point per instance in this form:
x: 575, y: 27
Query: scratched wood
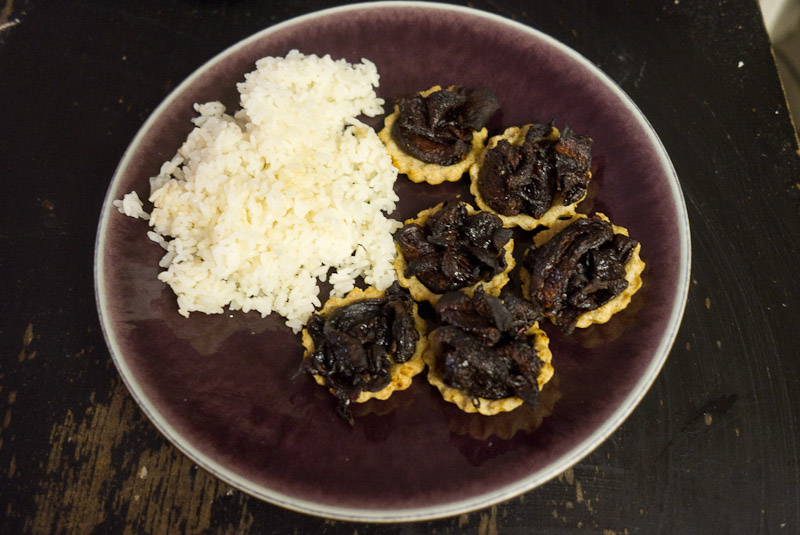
x: 711, y: 449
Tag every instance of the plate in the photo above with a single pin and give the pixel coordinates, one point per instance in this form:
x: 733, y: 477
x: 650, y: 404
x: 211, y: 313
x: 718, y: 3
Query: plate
x: 224, y: 388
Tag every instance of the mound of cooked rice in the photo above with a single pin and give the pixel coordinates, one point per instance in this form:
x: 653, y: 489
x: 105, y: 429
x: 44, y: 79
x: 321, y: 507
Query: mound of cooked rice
x: 257, y: 206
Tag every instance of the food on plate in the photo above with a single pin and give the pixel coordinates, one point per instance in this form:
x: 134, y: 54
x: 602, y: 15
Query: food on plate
x: 294, y: 166
x: 434, y: 136
x: 533, y: 175
x: 452, y: 247
x: 581, y: 271
x: 258, y: 206
x: 489, y: 354
x: 365, y: 345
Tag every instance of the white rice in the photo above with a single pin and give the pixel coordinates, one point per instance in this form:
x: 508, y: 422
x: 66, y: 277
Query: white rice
x: 257, y: 207
x: 131, y: 205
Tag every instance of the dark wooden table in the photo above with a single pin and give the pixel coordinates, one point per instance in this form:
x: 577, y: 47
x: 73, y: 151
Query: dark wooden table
x: 713, y: 447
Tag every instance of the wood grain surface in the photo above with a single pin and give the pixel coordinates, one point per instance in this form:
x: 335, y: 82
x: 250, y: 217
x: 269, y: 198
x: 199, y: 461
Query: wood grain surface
x: 713, y: 447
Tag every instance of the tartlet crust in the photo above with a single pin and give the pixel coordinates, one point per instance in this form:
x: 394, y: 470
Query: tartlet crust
x: 489, y: 407
x: 633, y: 274
x: 402, y: 373
x: 420, y: 292
x: 558, y: 210
x: 431, y: 173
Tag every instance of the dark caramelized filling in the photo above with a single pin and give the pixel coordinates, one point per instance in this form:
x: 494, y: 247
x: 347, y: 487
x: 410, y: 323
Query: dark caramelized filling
x: 484, y: 351
x: 453, y: 249
x: 580, y: 269
x: 356, y: 344
x: 438, y: 128
x: 525, y: 178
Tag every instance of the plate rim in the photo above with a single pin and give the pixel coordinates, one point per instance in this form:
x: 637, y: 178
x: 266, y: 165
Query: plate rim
x: 452, y: 508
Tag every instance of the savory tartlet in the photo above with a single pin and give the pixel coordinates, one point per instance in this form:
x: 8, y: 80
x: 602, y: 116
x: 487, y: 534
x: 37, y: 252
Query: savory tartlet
x: 365, y: 345
x: 450, y: 247
x: 436, y: 135
x: 533, y: 175
x: 581, y: 271
x: 488, y: 355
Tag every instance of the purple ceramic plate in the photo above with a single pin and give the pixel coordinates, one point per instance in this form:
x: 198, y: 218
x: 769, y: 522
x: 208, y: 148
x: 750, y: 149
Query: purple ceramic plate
x: 223, y: 388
